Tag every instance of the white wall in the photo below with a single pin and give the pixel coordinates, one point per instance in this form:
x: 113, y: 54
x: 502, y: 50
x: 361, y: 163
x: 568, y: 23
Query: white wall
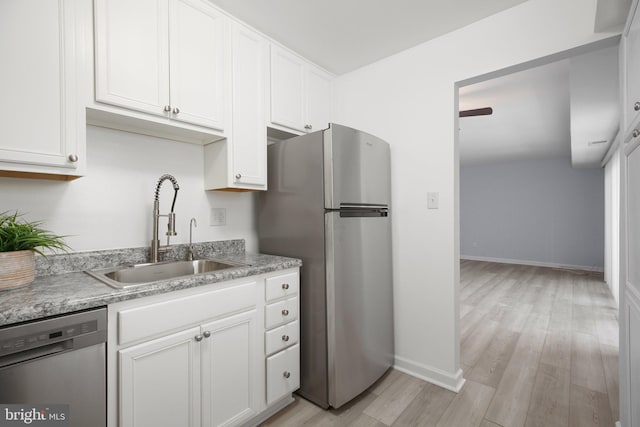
x: 112, y: 206
x: 540, y: 212
x: 410, y: 100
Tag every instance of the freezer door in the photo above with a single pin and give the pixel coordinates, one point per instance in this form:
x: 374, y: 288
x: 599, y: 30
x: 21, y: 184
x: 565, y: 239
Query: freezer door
x: 357, y: 168
x: 359, y: 302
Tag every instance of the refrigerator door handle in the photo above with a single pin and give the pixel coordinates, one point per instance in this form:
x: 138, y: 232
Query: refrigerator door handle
x: 360, y: 214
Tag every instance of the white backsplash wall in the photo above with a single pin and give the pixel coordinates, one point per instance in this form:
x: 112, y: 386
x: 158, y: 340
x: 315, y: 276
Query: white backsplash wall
x: 111, y: 207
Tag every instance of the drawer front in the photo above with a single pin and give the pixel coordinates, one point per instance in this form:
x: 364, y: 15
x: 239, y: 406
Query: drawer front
x: 281, y: 312
x: 282, y: 286
x: 283, y: 373
x: 154, y: 319
x: 282, y: 337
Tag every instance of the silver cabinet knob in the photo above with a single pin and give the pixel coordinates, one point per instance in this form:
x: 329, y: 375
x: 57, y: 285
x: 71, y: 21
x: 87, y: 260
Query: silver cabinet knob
x: 238, y: 175
x: 285, y: 338
x: 636, y: 133
x: 308, y: 127
x: 198, y: 338
x: 176, y: 110
x: 285, y: 312
x: 286, y: 374
x: 285, y: 286
x: 636, y: 106
x: 206, y: 334
x: 167, y: 108
x: 72, y: 158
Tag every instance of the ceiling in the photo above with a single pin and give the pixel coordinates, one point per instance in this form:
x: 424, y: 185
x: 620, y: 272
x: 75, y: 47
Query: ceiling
x: 530, y: 116
x: 554, y: 110
x: 344, y: 35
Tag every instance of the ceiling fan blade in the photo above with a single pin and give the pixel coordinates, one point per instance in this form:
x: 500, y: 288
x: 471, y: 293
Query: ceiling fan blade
x: 477, y: 112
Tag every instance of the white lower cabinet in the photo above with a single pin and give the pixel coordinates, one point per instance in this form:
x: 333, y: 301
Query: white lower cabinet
x: 281, y: 336
x: 283, y: 373
x: 197, y: 357
x: 160, y: 382
x: 229, y: 364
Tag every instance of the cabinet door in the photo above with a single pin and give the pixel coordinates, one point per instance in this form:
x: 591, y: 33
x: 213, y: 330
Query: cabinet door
x: 39, y: 84
x: 229, y: 370
x: 160, y: 382
x: 197, y: 58
x: 632, y: 61
x: 318, y: 90
x: 249, y: 139
x: 132, y: 54
x: 287, y: 89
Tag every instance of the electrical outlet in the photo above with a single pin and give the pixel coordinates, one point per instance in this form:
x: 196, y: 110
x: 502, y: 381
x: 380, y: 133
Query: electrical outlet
x: 218, y: 217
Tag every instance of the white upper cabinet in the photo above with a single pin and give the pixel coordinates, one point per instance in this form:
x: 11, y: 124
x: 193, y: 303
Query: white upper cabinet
x: 318, y: 90
x: 632, y: 68
x: 40, y: 82
x: 197, y: 63
x: 166, y: 58
x: 287, y: 89
x: 132, y: 54
x: 300, y: 93
x: 240, y: 161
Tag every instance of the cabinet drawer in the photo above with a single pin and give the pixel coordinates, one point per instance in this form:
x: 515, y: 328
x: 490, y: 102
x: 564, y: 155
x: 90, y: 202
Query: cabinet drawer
x: 283, y: 373
x: 282, y: 337
x: 281, y: 286
x: 154, y: 319
x: 281, y: 312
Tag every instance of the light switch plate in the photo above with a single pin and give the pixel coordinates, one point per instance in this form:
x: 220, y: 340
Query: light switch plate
x: 218, y: 217
x: 433, y: 200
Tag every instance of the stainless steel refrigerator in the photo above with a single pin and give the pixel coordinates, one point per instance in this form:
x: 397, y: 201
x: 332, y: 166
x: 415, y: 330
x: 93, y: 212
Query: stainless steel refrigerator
x: 328, y: 204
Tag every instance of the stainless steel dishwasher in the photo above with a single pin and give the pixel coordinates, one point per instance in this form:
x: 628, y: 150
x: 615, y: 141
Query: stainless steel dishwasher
x: 58, y: 360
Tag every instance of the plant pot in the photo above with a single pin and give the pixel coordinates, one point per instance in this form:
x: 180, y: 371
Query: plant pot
x: 17, y: 269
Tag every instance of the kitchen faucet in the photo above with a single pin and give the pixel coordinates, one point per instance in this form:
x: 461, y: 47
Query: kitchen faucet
x: 156, y: 249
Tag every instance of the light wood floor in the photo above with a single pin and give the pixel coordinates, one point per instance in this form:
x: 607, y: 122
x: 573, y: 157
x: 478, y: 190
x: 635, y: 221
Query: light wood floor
x: 539, y: 347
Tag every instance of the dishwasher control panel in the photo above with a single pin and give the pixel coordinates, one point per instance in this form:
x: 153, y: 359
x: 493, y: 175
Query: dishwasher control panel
x: 59, y: 332
x: 39, y: 339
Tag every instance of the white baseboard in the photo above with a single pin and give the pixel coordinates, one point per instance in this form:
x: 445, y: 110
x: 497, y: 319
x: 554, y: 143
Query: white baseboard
x: 533, y: 263
x: 453, y: 382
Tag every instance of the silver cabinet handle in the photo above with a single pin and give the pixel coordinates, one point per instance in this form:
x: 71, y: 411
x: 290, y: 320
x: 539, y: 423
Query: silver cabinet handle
x: 176, y: 110
x: 636, y: 106
x: 285, y: 286
x: 206, y: 334
x: 286, y: 374
x: 636, y: 133
x: 198, y: 338
x: 308, y: 127
x: 238, y: 175
x: 285, y: 312
x: 285, y: 338
x: 73, y: 158
x: 167, y: 108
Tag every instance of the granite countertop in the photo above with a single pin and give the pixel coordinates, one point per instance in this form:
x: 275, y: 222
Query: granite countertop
x: 61, y: 286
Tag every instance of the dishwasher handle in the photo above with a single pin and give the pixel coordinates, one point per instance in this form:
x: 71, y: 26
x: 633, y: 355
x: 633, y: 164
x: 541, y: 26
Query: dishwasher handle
x: 36, y: 353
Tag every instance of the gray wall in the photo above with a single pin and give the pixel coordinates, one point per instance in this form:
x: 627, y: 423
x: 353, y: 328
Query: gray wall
x: 536, y: 211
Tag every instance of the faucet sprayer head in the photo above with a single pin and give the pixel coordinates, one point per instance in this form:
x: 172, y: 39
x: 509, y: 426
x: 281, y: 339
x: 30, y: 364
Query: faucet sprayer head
x: 176, y: 187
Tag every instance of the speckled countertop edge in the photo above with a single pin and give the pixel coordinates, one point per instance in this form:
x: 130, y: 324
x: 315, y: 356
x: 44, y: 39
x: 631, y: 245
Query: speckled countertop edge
x: 73, y: 290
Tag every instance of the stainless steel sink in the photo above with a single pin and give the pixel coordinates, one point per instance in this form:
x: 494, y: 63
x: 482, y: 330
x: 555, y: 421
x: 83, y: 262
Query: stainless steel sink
x: 141, y: 274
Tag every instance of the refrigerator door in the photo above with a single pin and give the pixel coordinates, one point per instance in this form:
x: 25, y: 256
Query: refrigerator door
x: 359, y: 302
x: 357, y: 168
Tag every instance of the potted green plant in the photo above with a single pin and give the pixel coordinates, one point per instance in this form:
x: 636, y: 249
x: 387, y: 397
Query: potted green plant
x: 19, y: 240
